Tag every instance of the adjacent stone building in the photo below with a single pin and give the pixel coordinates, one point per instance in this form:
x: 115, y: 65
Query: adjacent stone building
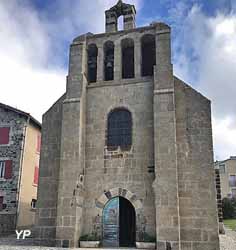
x: 225, y: 183
x: 20, y: 137
x: 227, y: 173
x: 127, y: 150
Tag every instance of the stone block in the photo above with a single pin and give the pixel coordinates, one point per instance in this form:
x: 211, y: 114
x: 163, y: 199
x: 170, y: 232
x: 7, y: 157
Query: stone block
x: 169, y: 234
x: 190, y: 234
x: 161, y: 245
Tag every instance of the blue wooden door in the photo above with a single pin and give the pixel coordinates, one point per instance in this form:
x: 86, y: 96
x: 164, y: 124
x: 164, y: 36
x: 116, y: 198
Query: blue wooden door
x: 111, y: 223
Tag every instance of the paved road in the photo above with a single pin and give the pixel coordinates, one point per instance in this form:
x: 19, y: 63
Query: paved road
x: 227, y: 242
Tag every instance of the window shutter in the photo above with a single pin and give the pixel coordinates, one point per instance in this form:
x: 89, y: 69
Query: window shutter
x: 1, y: 203
x: 4, y: 135
x: 38, y: 143
x: 8, y: 169
x: 36, y: 175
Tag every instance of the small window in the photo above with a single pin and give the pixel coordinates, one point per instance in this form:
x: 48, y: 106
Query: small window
x: 233, y: 192
x: 6, y: 169
x: 4, y: 135
x: 119, y: 128
x: 232, y: 180
x: 127, y: 58
x: 120, y: 22
x: 229, y: 195
x: 33, y: 203
x: 1, y: 203
x: 2, y: 169
x: 108, y: 61
x: 81, y: 178
x: 92, y: 63
x: 36, y: 175
x: 222, y: 168
x: 148, y: 54
x: 38, y: 143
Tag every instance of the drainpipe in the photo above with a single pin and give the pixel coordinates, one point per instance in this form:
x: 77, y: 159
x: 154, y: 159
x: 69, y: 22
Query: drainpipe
x: 20, y: 173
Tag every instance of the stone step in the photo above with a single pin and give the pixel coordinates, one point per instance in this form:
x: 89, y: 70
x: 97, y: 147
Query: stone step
x: 15, y: 242
x: 12, y: 243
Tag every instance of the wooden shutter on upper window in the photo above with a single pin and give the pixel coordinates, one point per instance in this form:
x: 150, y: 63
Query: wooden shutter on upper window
x: 4, y: 135
x: 36, y: 175
x: 1, y: 203
x: 8, y: 169
x: 38, y: 143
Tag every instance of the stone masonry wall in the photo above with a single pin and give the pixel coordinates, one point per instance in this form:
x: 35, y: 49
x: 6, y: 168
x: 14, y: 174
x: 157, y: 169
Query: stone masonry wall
x: 128, y: 169
x: 171, y: 135
x: 166, y: 181
x: 197, y: 192
x: 12, y: 151
x: 69, y: 170
x: 48, y: 175
x: 70, y: 188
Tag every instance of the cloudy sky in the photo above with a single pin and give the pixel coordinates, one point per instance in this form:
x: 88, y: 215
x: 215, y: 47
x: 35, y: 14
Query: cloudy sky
x: 35, y: 37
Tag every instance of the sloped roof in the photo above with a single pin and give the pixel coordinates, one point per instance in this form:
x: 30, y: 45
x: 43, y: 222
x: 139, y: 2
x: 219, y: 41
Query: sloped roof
x: 229, y: 159
x: 26, y: 115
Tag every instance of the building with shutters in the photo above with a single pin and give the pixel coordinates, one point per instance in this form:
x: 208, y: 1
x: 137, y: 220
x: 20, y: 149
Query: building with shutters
x: 20, y: 139
x: 127, y: 150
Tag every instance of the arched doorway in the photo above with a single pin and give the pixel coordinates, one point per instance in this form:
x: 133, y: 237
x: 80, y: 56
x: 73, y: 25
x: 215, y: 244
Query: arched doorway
x: 119, y: 226
x: 127, y: 223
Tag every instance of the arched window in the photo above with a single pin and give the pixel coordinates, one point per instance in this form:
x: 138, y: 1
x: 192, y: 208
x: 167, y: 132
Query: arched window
x: 92, y: 62
x: 119, y: 128
x: 108, y: 61
x: 120, y: 22
x: 127, y: 58
x: 148, y: 54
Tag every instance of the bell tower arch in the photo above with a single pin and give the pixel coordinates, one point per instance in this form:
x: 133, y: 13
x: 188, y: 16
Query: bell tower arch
x: 120, y: 9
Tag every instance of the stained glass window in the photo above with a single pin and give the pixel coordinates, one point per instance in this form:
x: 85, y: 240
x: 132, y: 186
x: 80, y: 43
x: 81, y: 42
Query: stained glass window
x: 119, y: 128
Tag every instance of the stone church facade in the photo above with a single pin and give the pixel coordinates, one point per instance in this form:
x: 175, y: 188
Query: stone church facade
x: 127, y: 150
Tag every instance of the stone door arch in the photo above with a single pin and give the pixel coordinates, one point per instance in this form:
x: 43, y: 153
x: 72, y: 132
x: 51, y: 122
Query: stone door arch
x: 109, y: 202
x: 118, y: 223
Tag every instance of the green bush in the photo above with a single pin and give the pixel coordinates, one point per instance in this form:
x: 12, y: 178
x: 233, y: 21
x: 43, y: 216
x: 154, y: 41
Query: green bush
x: 229, y: 208
x: 148, y: 238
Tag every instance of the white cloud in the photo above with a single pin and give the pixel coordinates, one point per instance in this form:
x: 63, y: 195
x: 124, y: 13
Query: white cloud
x: 224, y: 138
x: 22, y: 35
x: 35, y: 45
x: 26, y: 82
x: 72, y: 18
x: 29, y: 89
x: 212, y: 43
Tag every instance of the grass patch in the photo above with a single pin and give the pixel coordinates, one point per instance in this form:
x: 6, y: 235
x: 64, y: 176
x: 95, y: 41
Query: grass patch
x: 230, y: 223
